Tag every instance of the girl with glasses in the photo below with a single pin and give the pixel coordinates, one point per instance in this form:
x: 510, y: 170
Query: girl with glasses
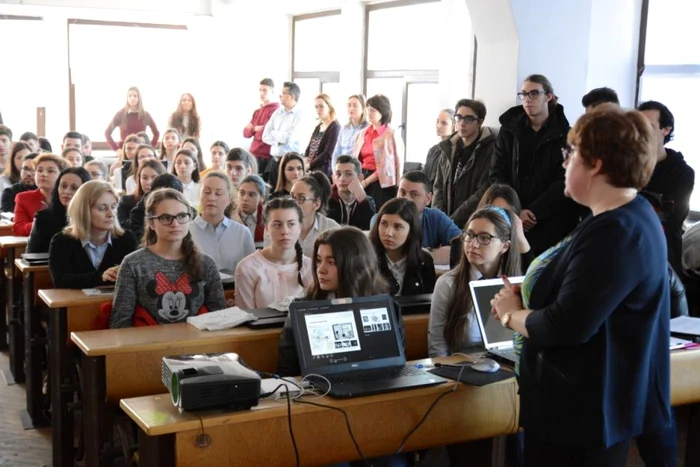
x: 311, y: 193
x: 490, y: 249
x: 169, y: 279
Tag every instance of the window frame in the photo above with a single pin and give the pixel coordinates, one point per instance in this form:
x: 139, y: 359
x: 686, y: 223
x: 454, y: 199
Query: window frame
x: 323, y: 76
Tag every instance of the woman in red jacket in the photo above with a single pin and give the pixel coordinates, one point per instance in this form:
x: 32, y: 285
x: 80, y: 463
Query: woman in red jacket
x: 47, y: 169
x: 130, y: 120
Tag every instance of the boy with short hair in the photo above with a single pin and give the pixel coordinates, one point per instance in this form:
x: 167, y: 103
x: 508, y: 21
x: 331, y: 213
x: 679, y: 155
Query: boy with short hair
x: 349, y: 204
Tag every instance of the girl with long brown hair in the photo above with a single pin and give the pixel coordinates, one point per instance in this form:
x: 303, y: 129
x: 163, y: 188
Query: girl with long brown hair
x: 130, y: 120
x: 185, y: 119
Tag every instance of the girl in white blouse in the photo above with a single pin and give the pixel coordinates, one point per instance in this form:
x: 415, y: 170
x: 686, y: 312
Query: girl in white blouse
x: 185, y: 168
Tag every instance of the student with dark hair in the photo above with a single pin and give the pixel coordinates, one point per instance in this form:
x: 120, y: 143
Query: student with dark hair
x: 98, y: 170
x: 280, y: 270
x: 5, y: 144
x: 72, y: 139
x: 47, y: 168
x: 48, y: 222
x: 124, y: 165
x: 143, y: 136
x: 31, y: 139
x: 185, y: 119
x: 255, y: 128
x: 13, y: 167
x: 357, y: 121
x: 131, y: 120
x: 73, y: 157
x: 26, y: 183
x: 291, y: 169
x: 251, y: 197
x: 312, y: 193
x: 169, y: 146
x: 193, y: 145
x: 147, y: 172
x: 319, y: 152
x: 169, y: 279
x: 138, y: 213
x: 444, y: 127
x: 349, y: 204
x: 185, y: 167
x: 598, y: 96
x: 285, y: 128
x: 44, y: 144
x: 381, y: 151
x: 396, y: 237
x: 240, y: 164
x: 87, y: 148
x: 144, y: 152
x: 217, y: 151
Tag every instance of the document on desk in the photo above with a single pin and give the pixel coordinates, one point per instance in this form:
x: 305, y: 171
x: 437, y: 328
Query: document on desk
x: 686, y: 325
x: 677, y: 344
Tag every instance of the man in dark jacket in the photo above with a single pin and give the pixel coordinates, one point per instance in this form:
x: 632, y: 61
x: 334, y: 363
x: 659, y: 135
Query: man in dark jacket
x: 463, y: 165
x: 528, y: 157
x: 672, y: 181
x: 349, y: 204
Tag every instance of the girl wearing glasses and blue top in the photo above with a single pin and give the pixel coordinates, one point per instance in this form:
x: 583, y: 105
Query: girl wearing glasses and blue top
x: 169, y: 279
x: 490, y: 248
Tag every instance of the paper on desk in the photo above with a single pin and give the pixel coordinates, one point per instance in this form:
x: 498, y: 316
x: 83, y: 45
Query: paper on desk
x: 226, y: 277
x: 282, y: 305
x: 223, y: 319
x: 99, y: 291
x: 677, y: 343
x: 686, y: 325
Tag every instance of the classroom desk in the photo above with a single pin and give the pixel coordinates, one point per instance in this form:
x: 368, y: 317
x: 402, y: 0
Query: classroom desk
x: 5, y: 228
x: 379, y: 423
x: 121, y: 363
x: 11, y: 319
x: 35, y: 277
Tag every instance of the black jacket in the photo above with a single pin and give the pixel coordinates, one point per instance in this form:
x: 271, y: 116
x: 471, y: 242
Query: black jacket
x: 126, y: 204
x: 8, y: 196
x: 47, y: 223
x: 415, y: 282
x: 71, y: 267
x: 543, y: 192
x: 137, y: 218
x: 360, y: 217
x: 472, y: 181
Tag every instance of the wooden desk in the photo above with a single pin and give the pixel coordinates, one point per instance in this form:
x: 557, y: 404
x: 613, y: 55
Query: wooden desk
x: 5, y: 228
x: 35, y: 277
x: 378, y: 422
x: 11, y: 317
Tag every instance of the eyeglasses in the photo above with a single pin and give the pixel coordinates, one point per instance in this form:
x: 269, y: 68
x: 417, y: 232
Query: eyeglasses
x: 167, y: 219
x: 532, y: 95
x: 466, y: 119
x: 302, y: 199
x: 481, y: 239
x: 568, y: 151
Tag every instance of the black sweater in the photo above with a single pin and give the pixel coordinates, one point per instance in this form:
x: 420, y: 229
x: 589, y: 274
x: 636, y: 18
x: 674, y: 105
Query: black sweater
x: 8, y: 196
x: 126, y: 204
x: 360, y: 216
x: 70, y: 265
x: 47, y: 223
x: 415, y: 282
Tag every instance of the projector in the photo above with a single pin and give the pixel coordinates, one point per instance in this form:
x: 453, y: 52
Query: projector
x: 210, y: 381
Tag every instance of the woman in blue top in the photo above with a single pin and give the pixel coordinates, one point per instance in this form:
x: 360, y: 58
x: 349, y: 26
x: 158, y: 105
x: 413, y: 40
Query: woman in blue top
x: 594, y: 309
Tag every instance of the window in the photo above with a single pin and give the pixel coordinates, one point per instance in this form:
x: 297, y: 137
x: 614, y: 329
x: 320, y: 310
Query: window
x: 671, y: 74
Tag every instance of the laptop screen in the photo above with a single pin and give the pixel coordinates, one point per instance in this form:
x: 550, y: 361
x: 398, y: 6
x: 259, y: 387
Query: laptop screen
x: 336, y: 336
x: 492, y: 332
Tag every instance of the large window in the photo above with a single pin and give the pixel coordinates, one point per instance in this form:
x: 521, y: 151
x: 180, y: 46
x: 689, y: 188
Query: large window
x: 672, y: 73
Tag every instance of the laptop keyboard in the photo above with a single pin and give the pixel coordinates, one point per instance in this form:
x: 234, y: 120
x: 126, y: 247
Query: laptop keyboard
x: 376, y: 375
x: 507, y: 354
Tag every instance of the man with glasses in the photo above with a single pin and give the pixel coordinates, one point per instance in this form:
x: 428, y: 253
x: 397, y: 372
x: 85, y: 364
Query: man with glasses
x: 464, y: 161
x: 26, y: 183
x: 528, y: 157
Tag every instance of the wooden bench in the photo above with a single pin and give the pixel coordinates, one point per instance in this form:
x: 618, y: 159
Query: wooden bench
x: 10, y: 320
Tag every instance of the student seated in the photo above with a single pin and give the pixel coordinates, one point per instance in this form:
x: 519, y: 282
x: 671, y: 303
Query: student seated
x: 169, y: 279
x: 26, y: 183
x: 185, y: 168
x: 169, y: 146
x: 279, y: 270
x: 123, y: 167
x: 311, y: 193
x: 148, y: 171
x: 291, y: 169
x: 144, y: 152
x: 73, y: 157
x: 98, y: 170
x: 13, y: 167
x: 48, y: 222
x: 239, y: 164
x: 137, y: 216
x: 349, y: 204
x: 251, y: 195
x: 396, y: 237
x: 47, y: 167
x: 217, y: 151
x: 489, y: 250
x: 90, y: 249
x: 344, y: 265
x: 214, y: 233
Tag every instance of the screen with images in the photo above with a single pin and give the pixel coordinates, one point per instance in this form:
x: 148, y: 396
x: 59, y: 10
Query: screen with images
x: 483, y: 294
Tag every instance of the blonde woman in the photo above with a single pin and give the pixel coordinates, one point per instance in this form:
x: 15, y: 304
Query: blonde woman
x: 319, y: 152
x: 88, y: 252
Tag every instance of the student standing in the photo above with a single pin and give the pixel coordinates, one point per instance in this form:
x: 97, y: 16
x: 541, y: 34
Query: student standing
x: 357, y: 121
x: 131, y: 120
x: 255, y: 128
x: 319, y: 152
x: 185, y: 119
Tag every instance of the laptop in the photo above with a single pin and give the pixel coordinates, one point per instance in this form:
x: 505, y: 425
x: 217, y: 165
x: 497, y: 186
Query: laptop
x: 355, y: 343
x: 498, y: 340
x: 35, y: 259
x: 414, y: 304
x: 267, y: 318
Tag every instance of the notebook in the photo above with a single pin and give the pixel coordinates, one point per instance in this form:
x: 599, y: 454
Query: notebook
x: 355, y: 343
x: 498, y: 340
x: 36, y: 259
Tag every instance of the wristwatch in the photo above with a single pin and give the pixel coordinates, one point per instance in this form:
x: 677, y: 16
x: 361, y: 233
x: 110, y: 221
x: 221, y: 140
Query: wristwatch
x: 505, y: 319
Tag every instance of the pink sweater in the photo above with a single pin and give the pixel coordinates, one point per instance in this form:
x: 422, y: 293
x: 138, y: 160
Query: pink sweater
x: 260, y: 282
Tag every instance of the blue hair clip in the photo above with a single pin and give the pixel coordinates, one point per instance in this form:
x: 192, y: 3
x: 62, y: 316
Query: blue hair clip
x: 501, y: 211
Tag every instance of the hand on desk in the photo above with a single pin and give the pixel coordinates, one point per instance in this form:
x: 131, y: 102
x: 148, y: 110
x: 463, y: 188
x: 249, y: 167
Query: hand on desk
x: 110, y: 275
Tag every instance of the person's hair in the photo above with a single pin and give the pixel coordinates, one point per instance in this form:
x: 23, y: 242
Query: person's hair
x: 327, y: 99
x: 358, y: 270
x: 477, y: 106
x: 293, y: 89
x: 45, y: 144
x: 231, y: 208
x: 363, y: 104
x: 286, y: 159
x: 406, y: 210
x: 500, y: 190
x: 460, y: 303
x: 188, y: 153
x: 240, y: 154
x: 58, y: 209
x: 258, y: 182
x: 86, y: 139
x: 624, y: 142
x: 28, y: 135
x: 356, y: 164
x: 199, y: 156
x: 418, y: 176
x: 221, y: 144
x: 144, y: 137
x: 451, y: 113
x: 101, y: 165
x: 177, y: 119
x: 140, y: 110
x: 49, y: 157
x: 548, y: 89
x: 192, y: 257
x: 285, y: 202
x: 80, y: 210
x: 30, y: 157
x: 382, y: 105
x: 11, y: 171
x: 167, y: 180
x: 156, y: 165
x: 161, y: 149
x: 267, y: 82
x: 67, y: 151
x: 131, y: 139
x: 135, y: 164
x: 320, y: 186
x: 598, y: 96
x: 74, y: 135
x: 666, y: 119
x: 5, y: 131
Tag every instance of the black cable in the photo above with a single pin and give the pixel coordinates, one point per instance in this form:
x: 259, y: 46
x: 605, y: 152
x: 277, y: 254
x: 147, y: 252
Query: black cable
x: 347, y: 423
x: 291, y: 431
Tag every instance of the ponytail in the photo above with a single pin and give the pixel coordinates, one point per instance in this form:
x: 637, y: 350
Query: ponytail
x: 193, y: 259
x: 300, y: 262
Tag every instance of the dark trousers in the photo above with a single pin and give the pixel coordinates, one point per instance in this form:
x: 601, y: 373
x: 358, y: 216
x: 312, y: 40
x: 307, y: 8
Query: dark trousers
x: 379, y: 194
x: 262, y: 166
x: 658, y: 449
x: 542, y: 453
